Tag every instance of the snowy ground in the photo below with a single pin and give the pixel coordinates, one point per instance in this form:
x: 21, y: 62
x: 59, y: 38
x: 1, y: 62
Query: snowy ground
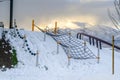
x: 53, y: 66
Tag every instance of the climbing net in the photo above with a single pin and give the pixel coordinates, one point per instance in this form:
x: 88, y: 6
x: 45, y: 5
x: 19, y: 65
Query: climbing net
x: 73, y: 47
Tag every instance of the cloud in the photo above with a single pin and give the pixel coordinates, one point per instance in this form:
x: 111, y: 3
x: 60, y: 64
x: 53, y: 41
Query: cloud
x: 45, y: 11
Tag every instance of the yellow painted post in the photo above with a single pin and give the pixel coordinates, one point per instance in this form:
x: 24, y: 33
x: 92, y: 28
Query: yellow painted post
x: 113, y: 55
x: 32, y: 25
x: 55, y: 30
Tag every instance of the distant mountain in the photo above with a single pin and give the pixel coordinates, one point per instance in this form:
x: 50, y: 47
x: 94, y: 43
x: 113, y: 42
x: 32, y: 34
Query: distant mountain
x: 101, y: 31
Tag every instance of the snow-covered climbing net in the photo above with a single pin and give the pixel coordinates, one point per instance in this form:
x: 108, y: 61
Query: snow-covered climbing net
x: 73, y: 47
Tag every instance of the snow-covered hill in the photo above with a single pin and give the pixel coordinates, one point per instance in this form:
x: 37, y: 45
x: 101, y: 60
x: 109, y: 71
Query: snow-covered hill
x: 53, y: 66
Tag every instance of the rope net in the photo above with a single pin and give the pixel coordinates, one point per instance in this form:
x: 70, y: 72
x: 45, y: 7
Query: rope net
x: 73, y: 46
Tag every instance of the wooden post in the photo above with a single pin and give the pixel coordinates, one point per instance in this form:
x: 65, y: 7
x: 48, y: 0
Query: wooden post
x: 58, y: 47
x: 113, y: 55
x: 69, y: 36
x: 69, y: 57
x: 37, y: 58
x: 55, y: 30
x: 32, y: 25
x: 24, y: 37
x: 98, y: 57
x: 84, y: 47
x: 24, y: 41
x: 45, y: 34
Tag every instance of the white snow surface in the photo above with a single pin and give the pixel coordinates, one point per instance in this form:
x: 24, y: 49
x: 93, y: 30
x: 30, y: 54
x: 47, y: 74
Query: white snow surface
x: 53, y: 66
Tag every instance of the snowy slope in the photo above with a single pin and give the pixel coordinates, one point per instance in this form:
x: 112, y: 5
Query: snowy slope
x: 53, y: 66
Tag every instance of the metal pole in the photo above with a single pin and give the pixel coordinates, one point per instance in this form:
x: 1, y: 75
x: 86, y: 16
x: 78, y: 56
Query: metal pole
x: 11, y: 14
x: 113, y: 55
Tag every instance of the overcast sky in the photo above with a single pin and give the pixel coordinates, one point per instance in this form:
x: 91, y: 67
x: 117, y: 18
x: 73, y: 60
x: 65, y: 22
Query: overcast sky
x: 45, y: 11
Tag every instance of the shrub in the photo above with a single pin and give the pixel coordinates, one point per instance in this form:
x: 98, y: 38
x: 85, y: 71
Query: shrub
x: 14, y: 58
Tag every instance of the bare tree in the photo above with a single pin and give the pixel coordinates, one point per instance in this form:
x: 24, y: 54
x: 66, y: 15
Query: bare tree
x: 115, y: 17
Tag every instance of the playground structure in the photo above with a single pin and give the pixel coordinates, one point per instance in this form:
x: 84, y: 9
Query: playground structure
x: 76, y: 49
x: 73, y: 47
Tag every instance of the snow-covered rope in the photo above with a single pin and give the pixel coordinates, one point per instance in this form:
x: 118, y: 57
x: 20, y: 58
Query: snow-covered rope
x: 25, y: 42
